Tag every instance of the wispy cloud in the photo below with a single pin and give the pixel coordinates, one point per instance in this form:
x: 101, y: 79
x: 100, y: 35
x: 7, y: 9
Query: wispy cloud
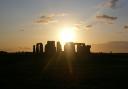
x: 52, y: 18
x: 110, y: 3
x: 46, y: 19
x: 126, y: 27
x: 106, y: 17
x: 83, y: 26
x: 89, y: 26
x: 21, y: 29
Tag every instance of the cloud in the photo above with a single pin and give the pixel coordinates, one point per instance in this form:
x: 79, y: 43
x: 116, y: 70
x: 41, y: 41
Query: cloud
x: 110, y: 3
x: 83, y: 26
x: 89, y: 26
x: 126, y: 27
x: 52, y: 18
x: 106, y: 17
x: 21, y: 30
x: 46, y: 19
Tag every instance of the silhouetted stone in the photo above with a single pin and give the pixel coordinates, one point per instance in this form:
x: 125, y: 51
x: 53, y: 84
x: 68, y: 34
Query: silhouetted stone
x: 69, y: 48
x: 59, y: 48
x: 34, y: 49
x: 50, y: 47
x: 38, y: 49
x: 83, y: 49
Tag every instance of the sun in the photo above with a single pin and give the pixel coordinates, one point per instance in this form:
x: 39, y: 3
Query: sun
x: 67, y: 34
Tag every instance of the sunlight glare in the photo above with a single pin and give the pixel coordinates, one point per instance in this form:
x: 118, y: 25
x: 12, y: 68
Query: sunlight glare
x: 67, y: 34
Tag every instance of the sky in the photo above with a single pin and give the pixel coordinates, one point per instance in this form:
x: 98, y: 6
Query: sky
x: 26, y: 22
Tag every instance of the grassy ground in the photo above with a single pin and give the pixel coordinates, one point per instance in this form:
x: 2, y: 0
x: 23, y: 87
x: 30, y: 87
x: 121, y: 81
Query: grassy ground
x: 94, y: 71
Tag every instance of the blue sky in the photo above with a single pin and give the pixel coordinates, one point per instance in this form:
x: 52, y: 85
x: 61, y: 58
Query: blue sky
x: 97, y: 21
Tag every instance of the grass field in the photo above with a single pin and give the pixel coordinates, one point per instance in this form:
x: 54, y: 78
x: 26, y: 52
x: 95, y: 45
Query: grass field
x: 94, y: 71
